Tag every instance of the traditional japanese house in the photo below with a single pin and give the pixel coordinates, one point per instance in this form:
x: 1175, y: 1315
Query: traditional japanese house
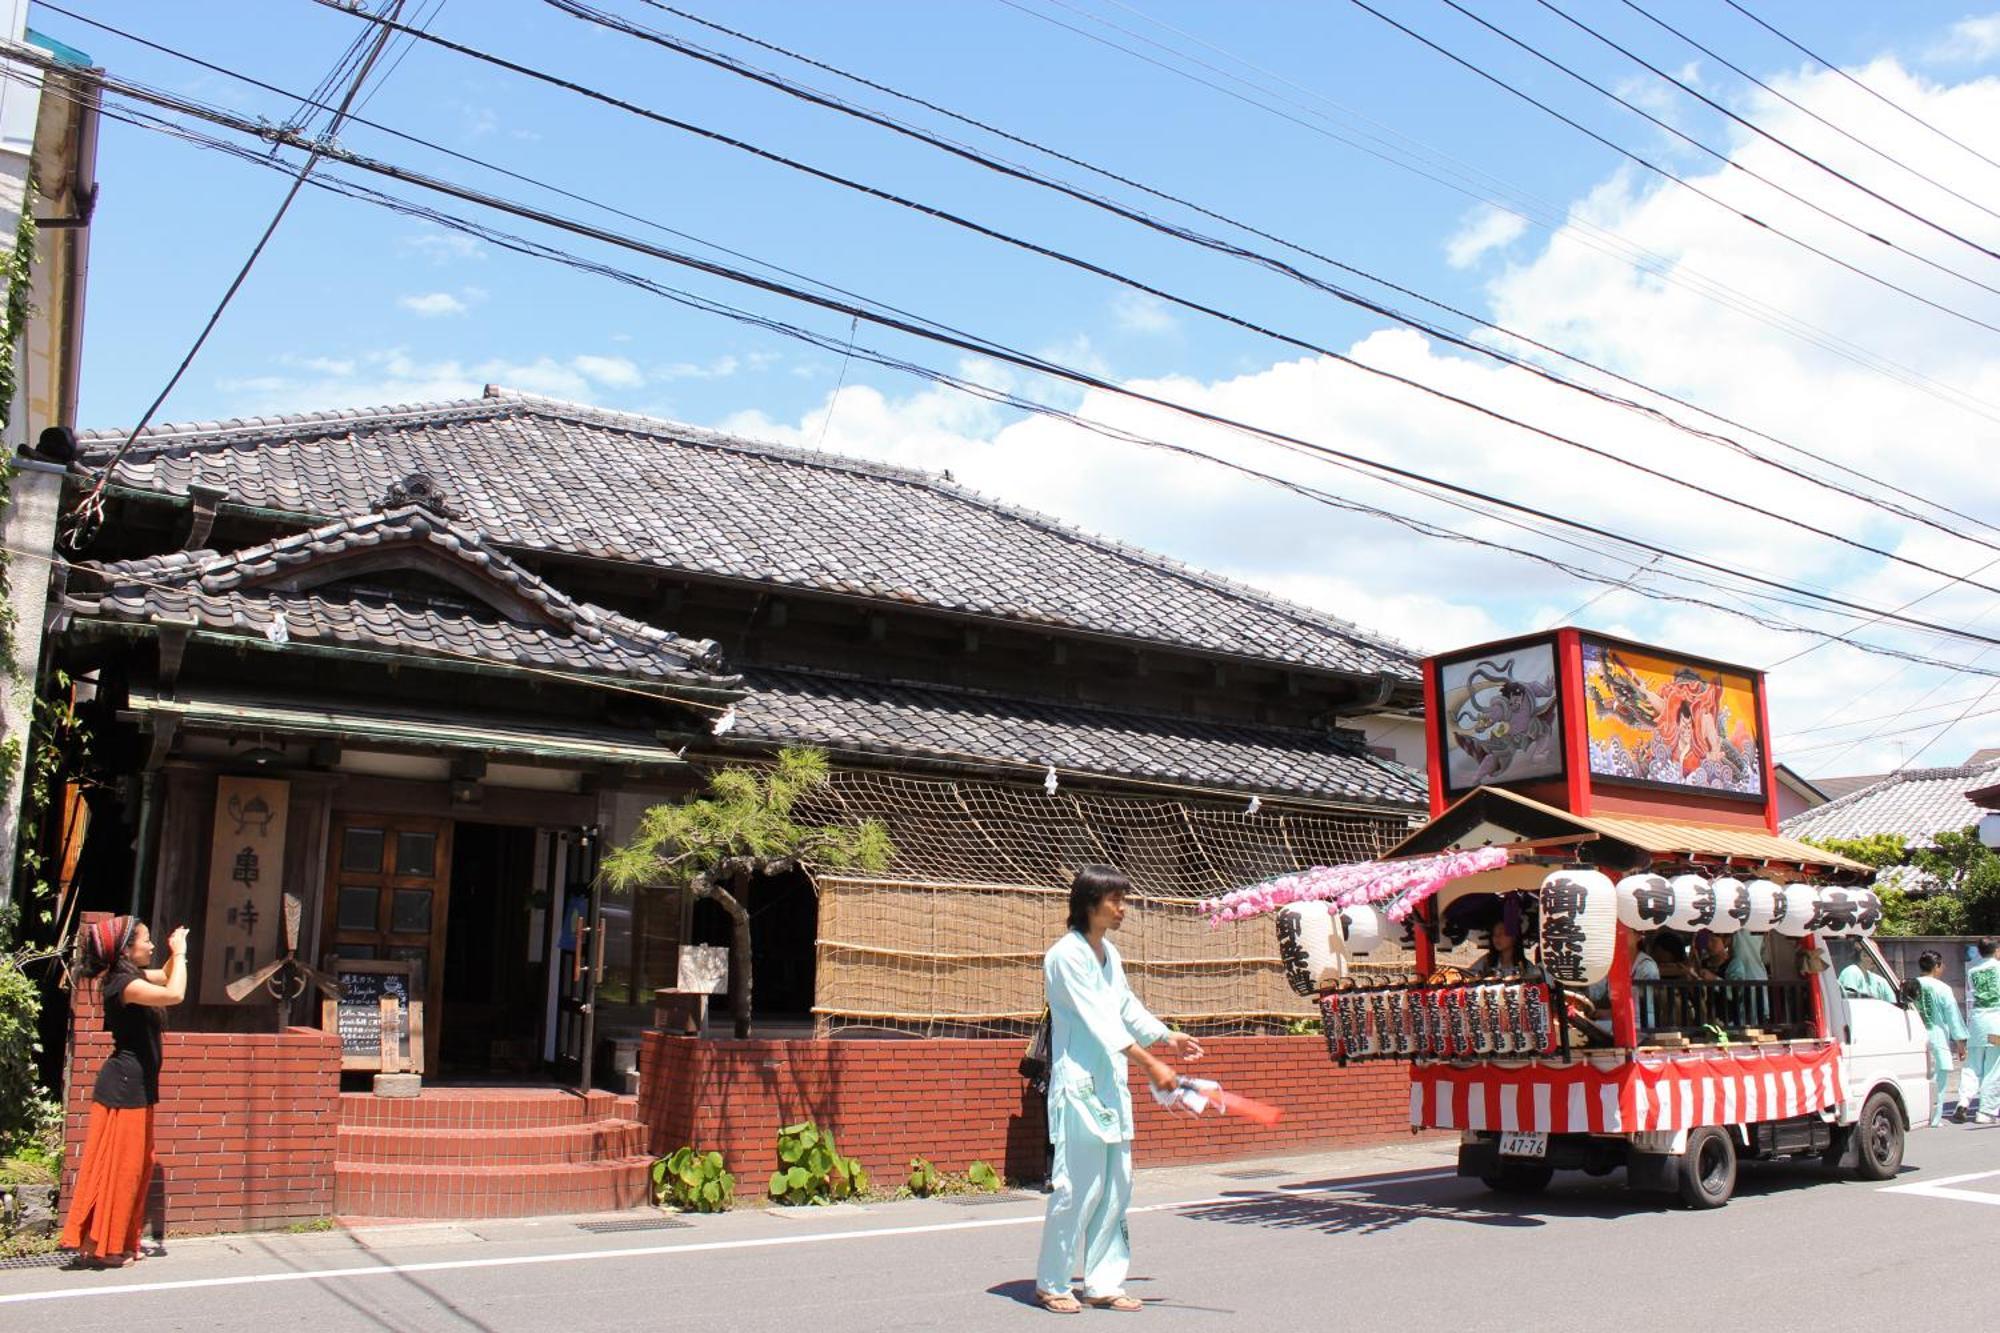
x: 415, y: 666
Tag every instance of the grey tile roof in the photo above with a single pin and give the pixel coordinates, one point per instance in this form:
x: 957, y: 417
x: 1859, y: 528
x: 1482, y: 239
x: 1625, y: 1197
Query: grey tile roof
x: 1835, y: 788
x: 537, y: 474
x: 1919, y: 804
x: 919, y: 720
x: 232, y: 591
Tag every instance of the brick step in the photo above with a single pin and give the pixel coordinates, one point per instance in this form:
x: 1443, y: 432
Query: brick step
x: 384, y: 1190
x: 483, y: 1108
x: 544, y: 1145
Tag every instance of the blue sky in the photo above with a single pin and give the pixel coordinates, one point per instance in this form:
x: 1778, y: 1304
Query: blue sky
x: 352, y: 305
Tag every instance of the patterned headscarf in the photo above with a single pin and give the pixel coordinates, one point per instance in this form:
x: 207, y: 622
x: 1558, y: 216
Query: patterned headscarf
x: 109, y: 939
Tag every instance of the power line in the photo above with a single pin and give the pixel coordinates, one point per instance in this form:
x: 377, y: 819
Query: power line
x: 828, y: 101
x: 537, y: 249
x: 1579, y: 228
x: 1805, y: 110
x: 90, y: 510
x: 1765, y: 134
x: 1883, y: 98
x: 1084, y: 379
x: 1677, y: 179
x: 1098, y: 270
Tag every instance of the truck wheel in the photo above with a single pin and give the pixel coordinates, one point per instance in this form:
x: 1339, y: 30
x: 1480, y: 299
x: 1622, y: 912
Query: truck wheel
x: 1520, y: 1178
x: 1708, y: 1171
x: 1878, y: 1138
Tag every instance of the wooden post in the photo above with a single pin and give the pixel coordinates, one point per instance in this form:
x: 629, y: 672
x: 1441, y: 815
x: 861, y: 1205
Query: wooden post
x: 391, y: 1044
x: 417, y: 1035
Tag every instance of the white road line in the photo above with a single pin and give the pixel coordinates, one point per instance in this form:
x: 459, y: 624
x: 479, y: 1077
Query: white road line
x: 1941, y: 1188
x: 648, y: 1251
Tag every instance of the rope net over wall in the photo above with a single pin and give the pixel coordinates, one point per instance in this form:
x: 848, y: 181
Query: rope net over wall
x: 949, y: 939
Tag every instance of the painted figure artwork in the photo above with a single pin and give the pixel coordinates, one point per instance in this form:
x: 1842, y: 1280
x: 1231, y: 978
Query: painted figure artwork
x: 1654, y: 719
x: 1501, y: 718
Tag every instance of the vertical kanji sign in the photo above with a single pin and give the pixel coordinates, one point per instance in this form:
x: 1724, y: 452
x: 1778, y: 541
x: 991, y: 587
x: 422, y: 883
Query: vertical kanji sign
x: 246, y: 876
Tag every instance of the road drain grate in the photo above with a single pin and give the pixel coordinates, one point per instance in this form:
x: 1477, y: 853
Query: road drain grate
x: 986, y: 1200
x: 633, y: 1224
x: 34, y: 1261
x: 1254, y: 1173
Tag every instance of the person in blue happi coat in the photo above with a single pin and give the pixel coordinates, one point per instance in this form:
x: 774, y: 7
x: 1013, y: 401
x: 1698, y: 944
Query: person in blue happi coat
x: 1096, y: 1024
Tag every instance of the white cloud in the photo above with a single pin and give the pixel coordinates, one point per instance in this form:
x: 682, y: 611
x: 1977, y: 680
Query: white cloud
x: 1968, y: 41
x: 441, y: 245
x: 1483, y: 229
x: 613, y: 372
x: 432, y: 305
x: 1139, y: 312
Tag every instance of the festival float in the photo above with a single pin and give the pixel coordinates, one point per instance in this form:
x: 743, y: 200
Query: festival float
x: 1662, y: 984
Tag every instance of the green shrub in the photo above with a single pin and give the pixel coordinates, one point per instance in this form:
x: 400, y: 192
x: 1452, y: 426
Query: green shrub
x: 26, y: 1115
x: 811, y: 1169
x: 924, y: 1179
x: 983, y: 1178
x: 693, y: 1181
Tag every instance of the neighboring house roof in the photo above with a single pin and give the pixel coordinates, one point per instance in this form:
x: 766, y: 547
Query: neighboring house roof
x: 1986, y: 798
x: 1835, y: 788
x: 790, y: 707
x: 1988, y: 756
x: 1917, y: 804
x: 308, y: 579
x: 1810, y: 790
x: 536, y: 474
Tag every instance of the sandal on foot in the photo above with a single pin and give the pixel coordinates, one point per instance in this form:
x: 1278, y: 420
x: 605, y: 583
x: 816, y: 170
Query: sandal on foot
x: 1058, y: 1304
x: 1123, y: 1304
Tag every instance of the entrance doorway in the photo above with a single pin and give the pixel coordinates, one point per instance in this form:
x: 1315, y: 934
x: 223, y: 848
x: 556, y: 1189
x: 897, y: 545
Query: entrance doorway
x: 493, y: 974
x: 784, y: 933
x: 388, y: 893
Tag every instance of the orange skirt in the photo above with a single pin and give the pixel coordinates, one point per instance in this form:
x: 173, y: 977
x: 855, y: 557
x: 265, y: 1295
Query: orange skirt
x: 111, y: 1185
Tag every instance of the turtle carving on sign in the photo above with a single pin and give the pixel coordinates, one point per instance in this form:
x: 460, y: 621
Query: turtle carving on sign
x: 251, y: 816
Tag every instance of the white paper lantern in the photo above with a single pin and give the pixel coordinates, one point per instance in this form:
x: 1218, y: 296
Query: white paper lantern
x: 1579, y: 925
x: 1766, y: 905
x: 1310, y: 947
x: 1695, y: 904
x: 1797, y: 905
x: 1847, y: 912
x: 1644, y: 902
x: 1365, y: 928
x: 1732, y: 906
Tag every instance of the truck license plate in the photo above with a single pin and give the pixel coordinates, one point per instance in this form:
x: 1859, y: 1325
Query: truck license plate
x: 1524, y: 1145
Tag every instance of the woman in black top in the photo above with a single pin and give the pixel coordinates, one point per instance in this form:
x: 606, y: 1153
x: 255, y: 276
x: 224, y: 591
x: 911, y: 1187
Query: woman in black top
x: 117, y: 1169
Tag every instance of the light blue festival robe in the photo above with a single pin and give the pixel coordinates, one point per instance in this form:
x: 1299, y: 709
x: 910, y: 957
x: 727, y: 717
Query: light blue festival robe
x: 1093, y: 1018
x: 1942, y: 1027
x: 1982, y: 1057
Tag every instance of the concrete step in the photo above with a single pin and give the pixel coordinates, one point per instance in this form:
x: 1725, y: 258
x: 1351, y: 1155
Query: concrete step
x: 483, y: 1109
x: 599, y: 1140
x: 406, y: 1190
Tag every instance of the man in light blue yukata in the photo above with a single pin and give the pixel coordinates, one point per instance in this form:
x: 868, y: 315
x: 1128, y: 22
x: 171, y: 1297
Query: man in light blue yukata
x: 1944, y: 1029
x: 1982, y: 1057
x: 1095, y: 1025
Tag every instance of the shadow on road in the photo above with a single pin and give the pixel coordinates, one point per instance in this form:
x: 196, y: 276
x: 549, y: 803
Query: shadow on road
x: 1348, y: 1209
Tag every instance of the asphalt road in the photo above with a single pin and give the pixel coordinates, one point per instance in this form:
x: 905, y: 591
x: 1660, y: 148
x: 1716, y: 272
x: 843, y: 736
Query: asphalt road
x: 1296, y: 1243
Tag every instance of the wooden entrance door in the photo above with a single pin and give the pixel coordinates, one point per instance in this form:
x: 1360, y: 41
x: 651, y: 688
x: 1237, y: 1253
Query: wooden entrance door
x: 388, y: 890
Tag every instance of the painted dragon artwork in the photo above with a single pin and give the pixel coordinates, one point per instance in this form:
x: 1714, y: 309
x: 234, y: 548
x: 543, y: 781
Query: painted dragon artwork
x: 1691, y: 737
x: 1503, y: 722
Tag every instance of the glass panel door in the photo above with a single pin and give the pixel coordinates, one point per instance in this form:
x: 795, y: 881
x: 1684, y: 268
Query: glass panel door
x: 387, y: 892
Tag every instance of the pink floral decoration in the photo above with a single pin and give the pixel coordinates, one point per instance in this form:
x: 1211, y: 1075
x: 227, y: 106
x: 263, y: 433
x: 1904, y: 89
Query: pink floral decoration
x: 1404, y: 885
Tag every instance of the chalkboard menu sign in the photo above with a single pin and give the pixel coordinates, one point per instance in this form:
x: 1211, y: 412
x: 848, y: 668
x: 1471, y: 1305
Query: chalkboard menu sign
x: 379, y: 1024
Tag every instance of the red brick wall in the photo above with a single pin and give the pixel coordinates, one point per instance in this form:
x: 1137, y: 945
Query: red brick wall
x: 955, y: 1101
x: 243, y: 1134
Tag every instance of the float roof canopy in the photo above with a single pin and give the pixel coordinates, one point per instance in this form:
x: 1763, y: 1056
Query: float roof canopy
x: 1495, y: 815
